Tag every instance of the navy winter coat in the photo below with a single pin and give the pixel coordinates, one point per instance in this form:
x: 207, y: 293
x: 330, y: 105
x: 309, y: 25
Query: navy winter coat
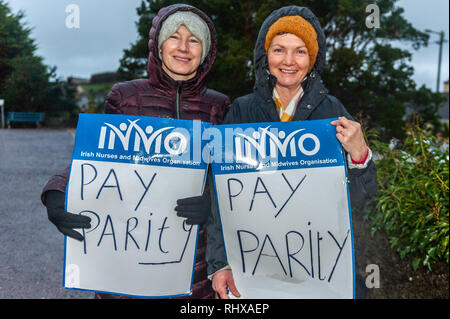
x: 315, y: 104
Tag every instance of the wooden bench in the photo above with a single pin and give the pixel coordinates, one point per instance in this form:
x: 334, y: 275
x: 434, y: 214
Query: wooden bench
x: 34, y: 117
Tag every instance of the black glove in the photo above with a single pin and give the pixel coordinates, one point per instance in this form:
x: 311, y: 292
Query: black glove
x: 195, y: 209
x: 64, y: 221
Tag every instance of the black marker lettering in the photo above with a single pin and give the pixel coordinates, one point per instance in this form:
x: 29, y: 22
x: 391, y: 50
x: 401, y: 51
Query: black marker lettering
x: 146, y: 187
x: 128, y: 233
x: 160, y: 235
x: 261, y: 253
x: 293, y: 190
x: 148, y: 233
x: 261, y: 192
x: 318, y: 254
x: 229, y: 190
x: 291, y: 255
x: 108, y: 218
x: 311, y: 252
x: 111, y: 186
x: 82, y: 178
x: 97, y: 217
x: 241, y: 246
x: 340, y: 251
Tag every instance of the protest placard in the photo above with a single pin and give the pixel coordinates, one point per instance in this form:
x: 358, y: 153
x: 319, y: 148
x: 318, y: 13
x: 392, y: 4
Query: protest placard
x: 284, y: 207
x: 126, y: 174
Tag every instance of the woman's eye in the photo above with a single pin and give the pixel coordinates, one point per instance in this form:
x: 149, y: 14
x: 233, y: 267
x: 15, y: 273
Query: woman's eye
x: 173, y: 36
x: 277, y: 50
x: 194, y: 40
x: 301, y: 52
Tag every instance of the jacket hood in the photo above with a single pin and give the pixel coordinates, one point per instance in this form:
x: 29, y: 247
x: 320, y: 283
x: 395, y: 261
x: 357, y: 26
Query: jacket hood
x: 156, y: 75
x: 260, y: 57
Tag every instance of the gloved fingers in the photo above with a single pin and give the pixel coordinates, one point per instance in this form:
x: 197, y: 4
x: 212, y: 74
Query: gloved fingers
x: 67, y: 224
x: 195, y: 209
x: 193, y: 218
x: 188, y: 214
x: 196, y: 220
x: 190, y: 200
x: 71, y: 233
x: 70, y: 220
x: 69, y: 217
x: 188, y: 208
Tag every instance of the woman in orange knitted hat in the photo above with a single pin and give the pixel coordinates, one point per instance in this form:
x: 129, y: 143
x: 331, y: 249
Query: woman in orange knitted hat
x: 289, y: 56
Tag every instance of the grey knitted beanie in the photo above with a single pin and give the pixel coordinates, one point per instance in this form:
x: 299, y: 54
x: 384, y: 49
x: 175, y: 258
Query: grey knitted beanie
x: 190, y: 20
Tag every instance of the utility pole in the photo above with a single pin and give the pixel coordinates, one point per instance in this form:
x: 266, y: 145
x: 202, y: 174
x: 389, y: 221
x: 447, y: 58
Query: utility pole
x: 441, y: 43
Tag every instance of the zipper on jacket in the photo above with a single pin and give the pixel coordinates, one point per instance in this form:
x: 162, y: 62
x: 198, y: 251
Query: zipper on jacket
x: 178, y: 100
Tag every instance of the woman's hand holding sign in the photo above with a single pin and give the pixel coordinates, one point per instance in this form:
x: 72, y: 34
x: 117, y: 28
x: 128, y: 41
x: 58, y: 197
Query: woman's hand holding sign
x: 195, y: 209
x: 350, y: 134
x: 64, y: 221
x: 223, y: 280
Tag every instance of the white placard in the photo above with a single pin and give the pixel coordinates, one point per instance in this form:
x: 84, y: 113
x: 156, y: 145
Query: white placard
x: 127, y: 183
x: 284, y: 208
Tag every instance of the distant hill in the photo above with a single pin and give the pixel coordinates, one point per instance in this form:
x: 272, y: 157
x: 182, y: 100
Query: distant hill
x: 104, y: 77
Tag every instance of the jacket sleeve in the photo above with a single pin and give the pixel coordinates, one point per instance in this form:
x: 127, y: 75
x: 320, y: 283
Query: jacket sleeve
x: 57, y: 182
x: 216, y: 257
x: 362, y: 185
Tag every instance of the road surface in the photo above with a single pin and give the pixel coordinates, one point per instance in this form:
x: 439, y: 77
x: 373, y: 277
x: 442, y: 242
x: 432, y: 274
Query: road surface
x: 32, y: 249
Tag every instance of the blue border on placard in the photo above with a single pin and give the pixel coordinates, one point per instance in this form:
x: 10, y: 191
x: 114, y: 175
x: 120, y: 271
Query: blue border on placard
x: 342, y: 153
x: 351, y: 229
x: 123, y: 294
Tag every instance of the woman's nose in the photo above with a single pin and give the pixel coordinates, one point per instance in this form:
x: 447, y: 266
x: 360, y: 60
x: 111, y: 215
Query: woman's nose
x: 183, y: 46
x: 288, y: 58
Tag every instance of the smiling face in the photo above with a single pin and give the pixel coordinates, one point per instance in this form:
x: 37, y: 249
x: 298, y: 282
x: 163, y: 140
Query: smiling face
x: 288, y: 60
x: 181, y: 55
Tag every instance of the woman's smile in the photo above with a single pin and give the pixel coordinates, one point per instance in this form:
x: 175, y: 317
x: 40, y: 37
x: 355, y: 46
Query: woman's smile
x: 288, y: 60
x: 181, y: 55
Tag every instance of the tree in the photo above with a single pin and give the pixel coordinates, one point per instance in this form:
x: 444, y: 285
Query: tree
x: 26, y: 83
x: 14, y: 40
x: 364, y: 70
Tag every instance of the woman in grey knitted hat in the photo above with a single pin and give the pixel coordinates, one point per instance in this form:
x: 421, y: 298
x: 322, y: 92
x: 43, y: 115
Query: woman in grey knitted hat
x: 184, y: 41
x: 182, y: 50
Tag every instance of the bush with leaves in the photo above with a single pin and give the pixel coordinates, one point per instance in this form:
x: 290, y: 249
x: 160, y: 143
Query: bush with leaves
x: 412, y: 205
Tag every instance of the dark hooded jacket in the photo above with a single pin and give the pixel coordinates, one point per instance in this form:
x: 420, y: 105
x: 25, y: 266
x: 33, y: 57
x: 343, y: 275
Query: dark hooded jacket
x: 161, y: 96
x: 315, y: 104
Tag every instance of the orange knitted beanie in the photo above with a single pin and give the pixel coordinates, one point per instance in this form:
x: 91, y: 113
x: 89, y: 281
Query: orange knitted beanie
x: 301, y: 28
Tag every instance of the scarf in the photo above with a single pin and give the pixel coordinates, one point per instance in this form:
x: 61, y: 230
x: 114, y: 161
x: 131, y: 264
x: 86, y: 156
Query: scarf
x: 286, y: 113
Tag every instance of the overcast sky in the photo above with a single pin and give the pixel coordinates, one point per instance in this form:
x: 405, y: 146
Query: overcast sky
x: 107, y: 27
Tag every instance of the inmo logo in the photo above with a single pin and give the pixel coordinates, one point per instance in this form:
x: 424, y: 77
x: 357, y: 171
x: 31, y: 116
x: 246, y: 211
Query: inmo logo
x: 272, y: 143
x: 174, y: 143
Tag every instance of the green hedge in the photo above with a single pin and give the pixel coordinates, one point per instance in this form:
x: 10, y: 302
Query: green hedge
x: 412, y: 203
